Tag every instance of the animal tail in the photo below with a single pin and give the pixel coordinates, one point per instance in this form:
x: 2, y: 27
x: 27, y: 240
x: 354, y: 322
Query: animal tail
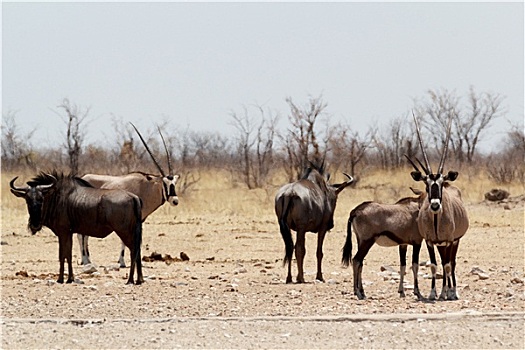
x: 347, y: 249
x: 137, y: 234
x: 285, y: 230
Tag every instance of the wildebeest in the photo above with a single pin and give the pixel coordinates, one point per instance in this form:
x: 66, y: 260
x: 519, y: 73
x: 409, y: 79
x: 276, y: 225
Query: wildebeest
x: 387, y: 225
x: 306, y: 205
x: 442, y: 217
x: 153, y: 190
x: 67, y: 204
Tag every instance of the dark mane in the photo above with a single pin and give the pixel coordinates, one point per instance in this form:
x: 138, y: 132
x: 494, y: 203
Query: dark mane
x: 44, y: 179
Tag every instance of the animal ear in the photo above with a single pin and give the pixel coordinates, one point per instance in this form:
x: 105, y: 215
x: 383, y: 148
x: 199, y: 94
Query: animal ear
x: 416, y: 175
x: 416, y: 191
x: 451, y: 176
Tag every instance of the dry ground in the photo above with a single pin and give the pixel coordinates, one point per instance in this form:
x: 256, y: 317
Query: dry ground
x: 231, y: 293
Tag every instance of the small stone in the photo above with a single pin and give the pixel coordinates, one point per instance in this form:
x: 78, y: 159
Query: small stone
x: 476, y: 270
x: 89, y: 269
x: 387, y: 268
x: 517, y: 280
x: 483, y: 276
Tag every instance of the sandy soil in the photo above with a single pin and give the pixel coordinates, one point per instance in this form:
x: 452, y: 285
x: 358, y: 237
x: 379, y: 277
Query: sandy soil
x: 231, y: 293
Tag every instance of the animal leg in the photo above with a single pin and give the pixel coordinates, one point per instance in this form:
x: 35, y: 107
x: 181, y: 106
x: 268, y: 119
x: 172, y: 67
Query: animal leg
x: 433, y: 269
x: 121, y: 260
x: 84, y: 249
x: 132, y: 267
x: 68, y: 254
x: 289, y: 276
x: 61, y: 258
x: 402, y: 269
x: 320, y: 239
x: 443, y: 253
x: 415, y: 267
x: 452, y: 292
x: 357, y: 265
x: 300, y: 252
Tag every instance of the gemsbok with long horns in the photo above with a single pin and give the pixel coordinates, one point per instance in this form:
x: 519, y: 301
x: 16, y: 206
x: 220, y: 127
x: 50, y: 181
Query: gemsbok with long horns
x: 387, y: 225
x: 67, y: 204
x: 307, y: 205
x: 442, y: 218
x: 153, y: 190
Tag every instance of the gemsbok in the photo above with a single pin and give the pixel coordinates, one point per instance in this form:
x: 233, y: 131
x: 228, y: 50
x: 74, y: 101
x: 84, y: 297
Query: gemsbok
x: 387, y: 225
x: 442, y: 218
x: 153, y: 190
x: 67, y: 204
x: 306, y: 205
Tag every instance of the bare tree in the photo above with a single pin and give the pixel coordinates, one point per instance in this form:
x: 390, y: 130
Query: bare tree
x: 255, y: 142
x: 348, y: 148
x: 301, y: 141
x: 74, y: 118
x: 393, y: 141
x: 16, y: 148
x: 508, y: 164
x: 469, y: 120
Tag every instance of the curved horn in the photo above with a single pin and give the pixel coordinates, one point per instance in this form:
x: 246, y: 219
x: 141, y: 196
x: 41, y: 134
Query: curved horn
x: 350, y: 178
x: 53, y: 183
x: 149, y: 151
x: 344, y: 184
x: 17, y: 189
x: 445, y: 147
x: 167, y: 153
x: 428, y: 168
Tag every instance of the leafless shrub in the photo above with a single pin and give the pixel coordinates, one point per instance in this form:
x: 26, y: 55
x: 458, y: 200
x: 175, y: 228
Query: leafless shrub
x: 508, y: 165
x: 301, y: 141
x: 394, y: 141
x: 348, y: 149
x: 17, y: 150
x: 470, y: 119
x: 74, y: 117
x: 254, y: 142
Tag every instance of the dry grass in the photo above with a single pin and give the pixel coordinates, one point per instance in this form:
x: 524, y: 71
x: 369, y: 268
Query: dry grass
x: 218, y: 196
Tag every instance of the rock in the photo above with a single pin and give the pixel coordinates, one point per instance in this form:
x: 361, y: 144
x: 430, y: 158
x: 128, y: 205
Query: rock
x: 517, y: 280
x: 476, y: 270
x: 387, y: 268
x: 483, y: 276
x: 184, y: 256
x: 496, y: 195
x: 22, y: 273
x: 89, y: 269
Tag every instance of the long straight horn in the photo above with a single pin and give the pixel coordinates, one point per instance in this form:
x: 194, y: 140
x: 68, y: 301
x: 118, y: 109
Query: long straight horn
x: 427, y: 169
x: 445, y: 147
x: 167, y: 153
x: 412, y: 163
x: 149, y: 151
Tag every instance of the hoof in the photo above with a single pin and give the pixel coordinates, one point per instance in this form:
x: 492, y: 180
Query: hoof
x: 360, y: 296
x: 402, y: 294
x: 451, y: 295
x: 60, y: 280
x: 288, y: 280
x: 432, y: 295
x: 69, y: 280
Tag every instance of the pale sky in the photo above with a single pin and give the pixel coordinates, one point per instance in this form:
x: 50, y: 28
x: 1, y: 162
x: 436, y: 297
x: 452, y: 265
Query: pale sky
x: 195, y: 63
